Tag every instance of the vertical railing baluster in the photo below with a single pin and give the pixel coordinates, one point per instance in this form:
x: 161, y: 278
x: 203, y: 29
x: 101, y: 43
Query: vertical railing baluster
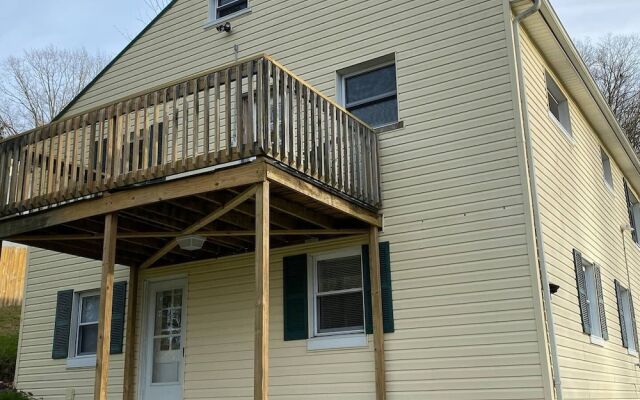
x: 207, y: 129
x: 251, y: 139
x: 227, y: 114
x: 4, y: 150
x: 269, y: 99
x: 135, y: 156
x: 327, y: 142
x: 111, y: 131
x: 174, y: 130
x: 73, y: 160
x: 156, y: 134
x: 299, y: 115
x: 116, y: 153
x: 195, y: 116
x: 126, y: 143
x: 240, y: 131
x: 144, y: 168
x: 97, y: 166
x: 283, y: 138
x: 260, y: 107
x: 217, y: 132
x: 165, y: 132
x: 334, y: 145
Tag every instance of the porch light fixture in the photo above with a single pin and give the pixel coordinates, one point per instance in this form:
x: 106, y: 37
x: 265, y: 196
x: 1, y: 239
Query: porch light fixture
x: 191, y: 242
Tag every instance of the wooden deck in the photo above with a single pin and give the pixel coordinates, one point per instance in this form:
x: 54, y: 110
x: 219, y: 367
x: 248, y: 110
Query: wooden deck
x: 255, y: 107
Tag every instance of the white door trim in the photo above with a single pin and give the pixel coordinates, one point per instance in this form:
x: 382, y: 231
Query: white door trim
x: 175, y: 281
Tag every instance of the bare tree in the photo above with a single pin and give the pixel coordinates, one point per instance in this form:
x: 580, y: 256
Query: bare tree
x: 36, y: 86
x: 614, y: 62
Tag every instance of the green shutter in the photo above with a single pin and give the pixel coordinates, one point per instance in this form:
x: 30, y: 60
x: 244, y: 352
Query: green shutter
x: 582, y: 291
x: 117, y: 316
x: 634, y: 327
x: 601, y: 311
x: 294, y: 286
x: 385, y: 281
x: 62, y: 324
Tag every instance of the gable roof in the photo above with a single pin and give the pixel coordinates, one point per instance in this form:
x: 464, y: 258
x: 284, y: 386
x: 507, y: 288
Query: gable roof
x: 114, y: 60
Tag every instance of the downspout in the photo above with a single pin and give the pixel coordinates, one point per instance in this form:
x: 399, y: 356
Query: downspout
x: 546, y: 292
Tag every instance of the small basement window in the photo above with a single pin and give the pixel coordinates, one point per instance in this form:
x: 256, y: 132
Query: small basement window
x: 369, y: 91
x: 223, y: 8
x: 558, y: 105
x: 338, y: 302
x: 606, y: 168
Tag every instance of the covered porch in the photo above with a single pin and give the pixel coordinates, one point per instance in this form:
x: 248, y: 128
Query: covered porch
x: 247, y: 157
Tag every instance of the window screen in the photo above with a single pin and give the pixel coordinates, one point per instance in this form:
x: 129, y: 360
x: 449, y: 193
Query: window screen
x: 372, y: 95
x: 339, y: 302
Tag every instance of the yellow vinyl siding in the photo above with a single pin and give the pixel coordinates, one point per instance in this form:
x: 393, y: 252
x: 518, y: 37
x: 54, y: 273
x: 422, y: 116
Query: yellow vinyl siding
x: 454, y: 208
x: 48, y: 273
x: 578, y: 210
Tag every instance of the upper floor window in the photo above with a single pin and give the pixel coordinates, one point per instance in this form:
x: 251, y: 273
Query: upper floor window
x: 369, y: 91
x: 558, y: 104
x: 224, y: 8
x: 633, y: 208
x: 606, y: 168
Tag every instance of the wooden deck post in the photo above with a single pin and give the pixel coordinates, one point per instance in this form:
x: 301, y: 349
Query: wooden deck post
x: 130, y: 336
x: 261, y: 350
x: 376, y: 303
x: 106, y: 301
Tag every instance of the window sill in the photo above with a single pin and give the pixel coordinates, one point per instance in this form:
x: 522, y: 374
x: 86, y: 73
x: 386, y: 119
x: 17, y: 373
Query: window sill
x: 337, y: 342
x: 597, y: 340
x: 564, y: 130
x: 212, y: 23
x: 632, y: 353
x: 389, y: 127
x: 81, y: 362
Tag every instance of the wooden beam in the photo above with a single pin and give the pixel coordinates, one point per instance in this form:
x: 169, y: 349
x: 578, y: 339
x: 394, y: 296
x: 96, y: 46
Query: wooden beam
x: 106, y: 301
x: 325, y: 197
x: 261, y: 349
x: 130, y: 336
x: 242, y: 197
x: 172, y: 189
x: 301, y: 212
x: 376, y: 303
x: 165, y: 234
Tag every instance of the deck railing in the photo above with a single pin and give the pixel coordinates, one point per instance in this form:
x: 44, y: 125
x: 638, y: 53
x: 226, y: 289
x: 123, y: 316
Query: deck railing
x: 251, y: 108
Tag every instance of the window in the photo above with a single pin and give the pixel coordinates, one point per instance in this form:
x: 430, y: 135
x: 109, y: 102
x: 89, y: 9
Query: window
x: 627, y: 318
x: 338, y: 305
x: 633, y: 208
x: 606, y: 168
x: 224, y: 8
x: 84, y: 340
x: 369, y: 91
x: 591, y: 300
x: 558, y: 105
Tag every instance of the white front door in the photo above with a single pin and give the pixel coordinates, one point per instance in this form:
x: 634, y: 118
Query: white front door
x: 163, y: 346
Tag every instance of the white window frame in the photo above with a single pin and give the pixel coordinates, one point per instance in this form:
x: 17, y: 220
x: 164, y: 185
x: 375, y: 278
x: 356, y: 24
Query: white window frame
x: 628, y: 321
x: 339, y: 339
x: 213, y: 13
x: 592, y: 301
x: 363, y: 68
x: 75, y: 360
x: 564, y: 120
x: 607, y: 172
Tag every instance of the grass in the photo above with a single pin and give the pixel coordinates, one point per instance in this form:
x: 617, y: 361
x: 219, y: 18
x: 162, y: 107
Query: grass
x: 9, y: 328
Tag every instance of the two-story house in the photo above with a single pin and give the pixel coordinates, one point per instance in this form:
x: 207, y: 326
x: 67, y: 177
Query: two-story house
x: 331, y: 200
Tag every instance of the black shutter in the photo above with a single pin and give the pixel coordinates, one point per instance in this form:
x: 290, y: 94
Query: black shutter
x: 633, y: 320
x: 582, y: 292
x: 294, y: 288
x: 632, y: 220
x: 601, y: 311
x: 117, y: 316
x: 62, y: 325
x: 385, y: 281
x: 623, y: 330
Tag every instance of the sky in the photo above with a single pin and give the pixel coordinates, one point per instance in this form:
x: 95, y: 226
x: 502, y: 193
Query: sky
x: 107, y: 26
